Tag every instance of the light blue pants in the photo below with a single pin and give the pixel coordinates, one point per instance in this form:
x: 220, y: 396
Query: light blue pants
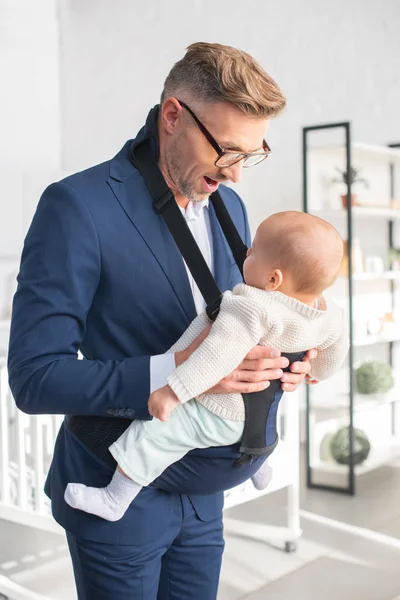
x: 147, y: 448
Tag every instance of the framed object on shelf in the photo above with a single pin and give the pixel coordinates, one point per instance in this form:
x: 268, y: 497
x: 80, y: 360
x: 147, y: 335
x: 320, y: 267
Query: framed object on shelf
x: 352, y: 421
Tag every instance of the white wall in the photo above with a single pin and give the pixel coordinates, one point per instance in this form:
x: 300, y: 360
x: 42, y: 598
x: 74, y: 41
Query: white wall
x: 334, y: 60
x: 30, y: 133
x: 78, y: 77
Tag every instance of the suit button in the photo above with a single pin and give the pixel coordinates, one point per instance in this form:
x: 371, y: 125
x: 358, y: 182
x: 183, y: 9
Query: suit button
x: 121, y: 412
x: 109, y: 411
x: 130, y: 412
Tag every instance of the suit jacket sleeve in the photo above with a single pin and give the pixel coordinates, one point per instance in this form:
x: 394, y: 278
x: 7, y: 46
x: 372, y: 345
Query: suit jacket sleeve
x: 59, y: 274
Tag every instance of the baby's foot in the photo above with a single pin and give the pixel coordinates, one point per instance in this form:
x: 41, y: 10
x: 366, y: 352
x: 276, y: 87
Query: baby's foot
x: 263, y: 476
x: 109, y: 503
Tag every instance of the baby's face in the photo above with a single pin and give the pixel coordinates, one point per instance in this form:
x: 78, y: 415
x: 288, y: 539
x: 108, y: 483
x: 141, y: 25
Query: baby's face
x: 255, y: 271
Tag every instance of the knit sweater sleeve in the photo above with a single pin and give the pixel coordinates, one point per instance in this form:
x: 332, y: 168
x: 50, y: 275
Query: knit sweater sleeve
x: 330, y: 358
x: 191, y: 333
x: 240, y: 325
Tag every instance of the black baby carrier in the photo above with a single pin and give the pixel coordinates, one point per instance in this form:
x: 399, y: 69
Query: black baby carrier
x: 260, y: 431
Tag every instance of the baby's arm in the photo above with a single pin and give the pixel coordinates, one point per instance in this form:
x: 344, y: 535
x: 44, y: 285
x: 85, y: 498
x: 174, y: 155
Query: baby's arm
x: 191, y: 333
x: 329, y: 359
x: 238, y: 328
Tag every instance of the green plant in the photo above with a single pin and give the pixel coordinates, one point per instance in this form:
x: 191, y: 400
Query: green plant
x: 394, y: 255
x: 340, y: 446
x: 374, y: 377
x: 350, y: 176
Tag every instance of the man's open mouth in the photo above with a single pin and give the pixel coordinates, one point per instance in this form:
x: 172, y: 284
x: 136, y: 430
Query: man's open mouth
x: 210, y: 185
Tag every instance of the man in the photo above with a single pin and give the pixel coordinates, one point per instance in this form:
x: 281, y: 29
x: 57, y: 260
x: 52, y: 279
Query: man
x: 100, y: 273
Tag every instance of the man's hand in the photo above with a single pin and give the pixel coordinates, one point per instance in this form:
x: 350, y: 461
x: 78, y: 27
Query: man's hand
x: 259, y: 367
x: 162, y: 402
x: 311, y: 381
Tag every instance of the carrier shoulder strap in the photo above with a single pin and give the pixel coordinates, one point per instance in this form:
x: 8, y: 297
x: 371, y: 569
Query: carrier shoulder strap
x: 165, y: 204
x: 236, y: 244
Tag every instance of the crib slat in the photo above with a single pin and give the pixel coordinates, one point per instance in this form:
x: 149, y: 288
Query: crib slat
x: 4, y: 438
x: 22, y: 500
x: 38, y: 462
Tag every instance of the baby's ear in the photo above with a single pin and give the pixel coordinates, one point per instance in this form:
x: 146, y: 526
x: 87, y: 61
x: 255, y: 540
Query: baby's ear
x: 275, y: 279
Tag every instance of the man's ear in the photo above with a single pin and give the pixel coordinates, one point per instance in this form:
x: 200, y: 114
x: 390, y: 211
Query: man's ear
x: 170, y: 114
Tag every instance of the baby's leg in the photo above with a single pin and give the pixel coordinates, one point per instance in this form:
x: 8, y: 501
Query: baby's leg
x: 145, y: 450
x: 109, y: 503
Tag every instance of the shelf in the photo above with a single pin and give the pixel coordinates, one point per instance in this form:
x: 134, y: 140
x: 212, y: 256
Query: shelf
x: 388, y: 275
x: 361, y: 151
x: 370, y: 212
x: 380, y: 338
x: 331, y: 408
x: 379, y: 456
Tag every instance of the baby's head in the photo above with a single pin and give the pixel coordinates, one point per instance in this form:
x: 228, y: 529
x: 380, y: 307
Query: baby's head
x: 295, y: 252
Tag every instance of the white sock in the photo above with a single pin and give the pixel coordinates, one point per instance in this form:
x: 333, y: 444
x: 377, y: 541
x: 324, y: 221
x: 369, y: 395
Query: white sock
x: 109, y: 503
x: 263, y: 476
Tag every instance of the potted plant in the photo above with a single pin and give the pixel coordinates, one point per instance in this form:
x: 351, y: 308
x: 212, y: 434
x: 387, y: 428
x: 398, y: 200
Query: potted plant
x: 394, y: 259
x: 374, y: 377
x: 340, y: 446
x: 351, y: 176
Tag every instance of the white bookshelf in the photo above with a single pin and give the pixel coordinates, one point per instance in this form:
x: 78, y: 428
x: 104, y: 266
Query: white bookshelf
x: 375, y: 220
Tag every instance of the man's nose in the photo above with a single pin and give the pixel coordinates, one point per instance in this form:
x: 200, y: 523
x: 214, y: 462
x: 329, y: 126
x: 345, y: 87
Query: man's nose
x: 234, y: 172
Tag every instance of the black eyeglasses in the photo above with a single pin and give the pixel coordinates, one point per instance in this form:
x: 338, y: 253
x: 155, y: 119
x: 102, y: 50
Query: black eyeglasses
x: 227, y: 158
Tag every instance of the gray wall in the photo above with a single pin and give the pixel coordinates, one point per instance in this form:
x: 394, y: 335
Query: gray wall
x: 334, y: 60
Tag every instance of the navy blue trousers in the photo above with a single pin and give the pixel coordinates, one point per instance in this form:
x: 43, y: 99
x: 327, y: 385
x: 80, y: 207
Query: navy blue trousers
x: 183, y: 563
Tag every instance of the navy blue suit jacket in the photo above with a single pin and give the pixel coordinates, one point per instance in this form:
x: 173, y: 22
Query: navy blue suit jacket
x: 100, y: 273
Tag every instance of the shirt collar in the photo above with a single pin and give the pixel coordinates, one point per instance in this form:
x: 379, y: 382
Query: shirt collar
x: 194, y: 209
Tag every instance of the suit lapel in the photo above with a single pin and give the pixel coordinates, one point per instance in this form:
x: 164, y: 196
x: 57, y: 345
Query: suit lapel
x: 136, y: 201
x: 132, y: 194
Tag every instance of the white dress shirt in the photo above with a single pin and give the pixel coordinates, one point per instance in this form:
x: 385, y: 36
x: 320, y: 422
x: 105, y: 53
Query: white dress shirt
x: 198, y: 220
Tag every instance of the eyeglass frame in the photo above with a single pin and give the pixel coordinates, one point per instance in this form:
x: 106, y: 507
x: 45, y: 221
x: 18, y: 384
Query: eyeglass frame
x: 219, y: 150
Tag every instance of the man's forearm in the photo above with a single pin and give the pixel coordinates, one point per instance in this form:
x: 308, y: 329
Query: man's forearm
x: 84, y: 387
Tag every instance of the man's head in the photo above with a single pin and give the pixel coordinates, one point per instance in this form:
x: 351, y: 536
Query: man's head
x: 215, y: 99
x: 295, y: 252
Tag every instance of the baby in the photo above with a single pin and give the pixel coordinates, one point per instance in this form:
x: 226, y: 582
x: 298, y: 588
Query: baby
x: 295, y: 257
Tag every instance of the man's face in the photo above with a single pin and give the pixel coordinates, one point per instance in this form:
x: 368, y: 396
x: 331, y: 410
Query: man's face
x: 189, y: 157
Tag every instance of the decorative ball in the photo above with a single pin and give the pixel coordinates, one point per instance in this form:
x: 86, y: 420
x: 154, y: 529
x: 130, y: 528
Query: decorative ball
x: 325, y: 454
x: 340, y: 446
x: 374, y: 377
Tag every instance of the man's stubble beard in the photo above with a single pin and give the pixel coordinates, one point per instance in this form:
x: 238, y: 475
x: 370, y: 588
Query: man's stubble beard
x: 186, y: 188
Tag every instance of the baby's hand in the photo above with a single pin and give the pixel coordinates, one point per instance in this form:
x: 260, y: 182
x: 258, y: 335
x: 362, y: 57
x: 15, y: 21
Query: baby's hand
x: 162, y: 402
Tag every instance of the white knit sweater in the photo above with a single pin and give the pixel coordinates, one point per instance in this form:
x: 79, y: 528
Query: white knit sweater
x: 249, y: 316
